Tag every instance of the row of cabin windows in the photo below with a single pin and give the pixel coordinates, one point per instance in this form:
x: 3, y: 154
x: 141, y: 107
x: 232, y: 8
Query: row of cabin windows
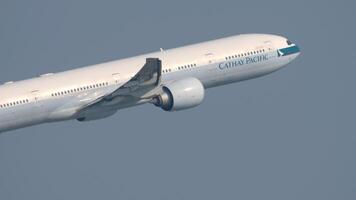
x: 20, y: 102
x: 166, y: 70
x: 187, y: 66
x: 245, y: 54
x: 14, y: 103
x: 79, y: 89
x: 180, y: 67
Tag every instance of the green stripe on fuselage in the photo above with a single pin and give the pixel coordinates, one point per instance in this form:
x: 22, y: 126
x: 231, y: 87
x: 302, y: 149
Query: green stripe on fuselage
x: 288, y: 51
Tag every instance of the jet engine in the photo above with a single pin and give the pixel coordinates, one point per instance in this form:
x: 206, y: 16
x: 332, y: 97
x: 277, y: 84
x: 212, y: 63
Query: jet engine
x: 180, y: 95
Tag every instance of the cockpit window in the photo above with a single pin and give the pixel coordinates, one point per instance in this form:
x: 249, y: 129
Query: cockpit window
x: 289, y: 42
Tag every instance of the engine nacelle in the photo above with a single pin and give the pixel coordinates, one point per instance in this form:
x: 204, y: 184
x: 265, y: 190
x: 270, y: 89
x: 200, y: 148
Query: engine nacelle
x: 181, y: 94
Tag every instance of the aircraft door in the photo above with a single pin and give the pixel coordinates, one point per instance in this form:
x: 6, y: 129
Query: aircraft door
x: 268, y: 45
x: 214, y: 74
x: 116, y: 78
x: 209, y: 58
x: 37, y: 99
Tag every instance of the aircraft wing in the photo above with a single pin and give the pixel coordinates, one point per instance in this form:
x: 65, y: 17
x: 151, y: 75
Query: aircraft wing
x: 145, y: 80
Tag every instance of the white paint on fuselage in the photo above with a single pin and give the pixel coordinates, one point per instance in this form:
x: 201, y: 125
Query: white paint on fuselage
x: 206, y: 58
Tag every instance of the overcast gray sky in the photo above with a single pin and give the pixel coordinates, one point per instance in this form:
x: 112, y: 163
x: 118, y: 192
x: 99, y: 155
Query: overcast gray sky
x: 289, y: 135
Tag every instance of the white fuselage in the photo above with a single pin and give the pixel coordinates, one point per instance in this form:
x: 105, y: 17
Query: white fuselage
x: 56, y: 97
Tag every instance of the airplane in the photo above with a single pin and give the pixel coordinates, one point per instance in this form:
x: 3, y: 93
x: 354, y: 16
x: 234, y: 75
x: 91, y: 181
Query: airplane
x: 172, y: 79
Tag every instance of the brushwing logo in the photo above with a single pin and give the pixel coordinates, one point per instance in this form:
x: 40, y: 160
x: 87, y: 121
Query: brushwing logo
x: 280, y: 53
